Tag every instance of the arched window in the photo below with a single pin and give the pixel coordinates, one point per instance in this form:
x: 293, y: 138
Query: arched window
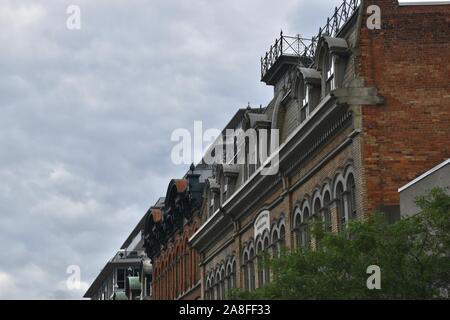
x: 233, y: 274
x: 275, y: 252
x: 305, y: 229
x: 213, y: 291
x: 222, y: 284
x: 317, y: 207
x: 297, y: 224
x: 245, y: 271
x: 186, y: 265
x: 340, y: 205
x: 260, y: 265
x: 282, y: 240
x: 206, y: 293
x: 351, y: 194
x: 252, y: 270
x: 211, y: 287
x: 329, y: 66
x: 217, y: 286
x: 177, y: 273
x: 326, y: 211
x: 266, y: 265
x: 228, y: 284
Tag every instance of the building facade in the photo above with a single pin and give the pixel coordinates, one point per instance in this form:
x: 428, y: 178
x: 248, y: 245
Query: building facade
x: 128, y: 275
x: 176, y: 274
x: 360, y: 112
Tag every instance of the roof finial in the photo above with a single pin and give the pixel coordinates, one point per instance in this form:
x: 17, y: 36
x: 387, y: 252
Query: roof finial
x: 192, y: 168
x: 281, y: 33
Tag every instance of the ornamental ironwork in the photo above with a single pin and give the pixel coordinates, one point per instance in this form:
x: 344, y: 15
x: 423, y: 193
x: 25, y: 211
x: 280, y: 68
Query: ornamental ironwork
x: 303, y: 47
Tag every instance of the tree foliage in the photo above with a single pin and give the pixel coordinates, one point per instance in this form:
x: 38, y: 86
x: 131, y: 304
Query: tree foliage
x: 413, y: 254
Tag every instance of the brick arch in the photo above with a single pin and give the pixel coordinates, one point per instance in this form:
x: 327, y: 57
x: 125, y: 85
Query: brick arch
x: 326, y: 186
x: 316, y: 195
x: 348, y: 170
x: 338, y: 177
x: 306, y: 203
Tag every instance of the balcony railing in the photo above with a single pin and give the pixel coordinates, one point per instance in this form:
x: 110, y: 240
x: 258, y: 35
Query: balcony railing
x: 285, y: 46
x: 341, y: 15
x: 296, y: 46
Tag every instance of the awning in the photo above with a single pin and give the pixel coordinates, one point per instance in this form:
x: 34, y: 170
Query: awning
x: 134, y: 284
x: 120, y: 295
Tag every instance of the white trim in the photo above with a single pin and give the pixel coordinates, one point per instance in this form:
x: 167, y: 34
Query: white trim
x: 423, y: 176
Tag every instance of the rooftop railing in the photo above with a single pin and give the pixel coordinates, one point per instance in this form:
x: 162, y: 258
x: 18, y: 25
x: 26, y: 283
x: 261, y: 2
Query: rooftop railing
x: 301, y: 47
x: 285, y: 46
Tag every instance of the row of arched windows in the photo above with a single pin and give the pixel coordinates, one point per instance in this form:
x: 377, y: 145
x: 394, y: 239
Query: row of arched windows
x: 342, y: 190
x: 175, y: 272
x: 255, y: 269
x: 221, y: 280
x: 339, y: 193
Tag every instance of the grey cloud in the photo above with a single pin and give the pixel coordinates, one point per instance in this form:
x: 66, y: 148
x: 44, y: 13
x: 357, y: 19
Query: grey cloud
x: 86, y: 117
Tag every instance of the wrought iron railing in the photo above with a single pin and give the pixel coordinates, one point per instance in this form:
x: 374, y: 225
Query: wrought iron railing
x: 296, y: 46
x: 285, y: 46
x: 334, y: 24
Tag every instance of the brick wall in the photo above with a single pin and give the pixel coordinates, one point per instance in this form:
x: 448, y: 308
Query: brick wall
x: 175, y: 270
x: 408, y: 61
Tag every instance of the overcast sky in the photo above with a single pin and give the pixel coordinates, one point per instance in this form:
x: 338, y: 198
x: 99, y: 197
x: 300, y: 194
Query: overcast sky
x: 86, y: 117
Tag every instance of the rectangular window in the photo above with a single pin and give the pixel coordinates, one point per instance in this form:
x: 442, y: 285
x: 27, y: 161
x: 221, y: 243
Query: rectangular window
x: 330, y: 74
x: 211, y: 205
x: 304, y: 113
x: 121, y: 278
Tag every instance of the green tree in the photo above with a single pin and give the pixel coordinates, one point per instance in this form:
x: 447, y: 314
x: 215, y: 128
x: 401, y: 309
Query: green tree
x: 413, y: 254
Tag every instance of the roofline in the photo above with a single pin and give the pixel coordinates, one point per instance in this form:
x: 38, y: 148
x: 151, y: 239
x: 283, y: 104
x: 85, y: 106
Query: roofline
x: 133, y: 234
x: 105, y: 271
x: 423, y: 176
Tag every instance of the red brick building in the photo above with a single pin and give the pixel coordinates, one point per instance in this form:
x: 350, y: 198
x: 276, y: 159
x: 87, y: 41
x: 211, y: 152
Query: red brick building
x: 408, y: 62
x: 168, y: 227
x: 360, y: 112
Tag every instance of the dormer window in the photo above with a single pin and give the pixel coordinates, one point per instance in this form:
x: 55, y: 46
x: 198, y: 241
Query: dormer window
x: 330, y: 70
x: 304, y: 113
x: 307, y: 91
x: 332, y: 62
